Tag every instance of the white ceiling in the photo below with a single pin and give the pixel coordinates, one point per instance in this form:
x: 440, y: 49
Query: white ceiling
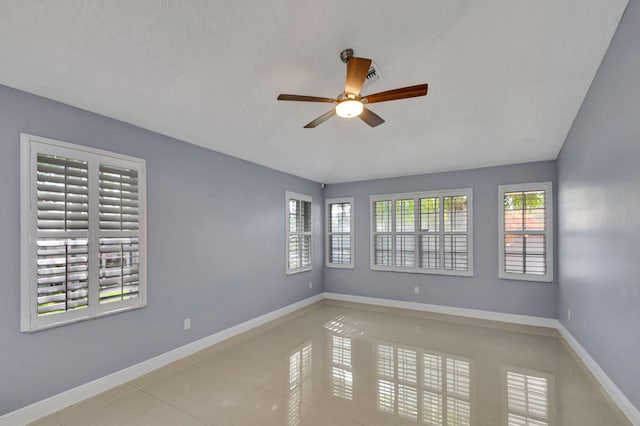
x: 506, y: 77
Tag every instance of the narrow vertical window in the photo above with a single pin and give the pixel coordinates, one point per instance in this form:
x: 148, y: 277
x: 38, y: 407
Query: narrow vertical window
x: 526, y: 238
x: 339, y: 229
x: 298, y: 232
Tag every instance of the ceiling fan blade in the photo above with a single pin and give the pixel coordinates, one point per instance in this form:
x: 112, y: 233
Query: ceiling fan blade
x: 357, y: 69
x: 395, y: 94
x: 371, y: 118
x: 301, y: 98
x: 321, y: 119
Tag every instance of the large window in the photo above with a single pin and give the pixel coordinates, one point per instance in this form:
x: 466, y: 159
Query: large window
x: 298, y: 232
x: 425, y: 232
x: 339, y: 231
x: 526, y: 237
x: 83, y: 233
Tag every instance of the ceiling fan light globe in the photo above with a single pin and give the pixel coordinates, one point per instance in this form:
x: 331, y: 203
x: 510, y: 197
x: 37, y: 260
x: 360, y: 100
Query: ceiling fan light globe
x: 349, y: 108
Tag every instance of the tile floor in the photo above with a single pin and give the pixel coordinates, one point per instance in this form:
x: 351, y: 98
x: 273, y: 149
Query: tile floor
x: 340, y: 364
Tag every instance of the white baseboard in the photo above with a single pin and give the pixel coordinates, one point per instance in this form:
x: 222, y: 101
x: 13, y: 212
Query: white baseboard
x: 612, y: 390
x: 39, y: 409
x: 449, y: 310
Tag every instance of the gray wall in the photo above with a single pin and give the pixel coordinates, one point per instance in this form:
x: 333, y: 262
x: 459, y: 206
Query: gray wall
x: 599, y: 214
x: 216, y: 251
x: 484, y: 290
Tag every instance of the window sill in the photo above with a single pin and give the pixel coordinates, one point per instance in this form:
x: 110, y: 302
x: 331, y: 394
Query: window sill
x: 337, y: 266
x: 526, y: 277
x: 297, y: 271
x: 444, y: 273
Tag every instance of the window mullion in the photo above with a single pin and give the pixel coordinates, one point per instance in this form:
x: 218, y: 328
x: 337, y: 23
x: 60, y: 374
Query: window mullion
x: 416, y: 232
x: 441, y: 232
x: 94, y: 237
x: 393, y: 232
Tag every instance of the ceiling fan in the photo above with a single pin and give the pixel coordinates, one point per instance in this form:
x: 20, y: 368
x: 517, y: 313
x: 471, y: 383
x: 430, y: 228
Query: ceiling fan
x: 350, y: 103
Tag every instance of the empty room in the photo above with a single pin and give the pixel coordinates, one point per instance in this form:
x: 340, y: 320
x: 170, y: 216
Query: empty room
x: 333, y: 213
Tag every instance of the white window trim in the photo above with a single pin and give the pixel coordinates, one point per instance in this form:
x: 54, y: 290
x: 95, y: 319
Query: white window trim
x: 328, y: 202
x: 548, y: 199
x: 416, y: 195
x: 302, y: 197
x: 29, y: 321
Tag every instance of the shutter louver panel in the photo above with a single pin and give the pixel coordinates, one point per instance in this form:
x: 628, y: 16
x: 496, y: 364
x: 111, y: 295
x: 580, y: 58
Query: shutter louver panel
x: 340, y: 249
x: 62, y: 194
x: 456, y: 252
x: 525, y: 242
x: 430, y: 251
x: 298, y: 230
x: 383, y: 253
x: 339, y: 233
x: 119, y: 209
x: 305, y: 254
x: 405, y: 251
x: 62, y: 274
x: 119, y: 269
x: 456, y: 242
x: 294, y: 252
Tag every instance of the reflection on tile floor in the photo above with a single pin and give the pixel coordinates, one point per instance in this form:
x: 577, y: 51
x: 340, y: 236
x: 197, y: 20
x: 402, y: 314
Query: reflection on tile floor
x: 342, y: 365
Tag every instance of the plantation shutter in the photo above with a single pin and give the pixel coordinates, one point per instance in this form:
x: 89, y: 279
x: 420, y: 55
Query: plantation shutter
x: 83, y: 230
x: 426, y: 232
x: 62, y: 234
x: 339, y: 233
x: 298, y: 232
x: 526, y: 242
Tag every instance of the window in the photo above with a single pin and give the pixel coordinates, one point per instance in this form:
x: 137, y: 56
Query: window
x: 424, y: 232
x: 298, y: 232
x: 526, y: 238
x: 83, y: 233
x: 339, y: 244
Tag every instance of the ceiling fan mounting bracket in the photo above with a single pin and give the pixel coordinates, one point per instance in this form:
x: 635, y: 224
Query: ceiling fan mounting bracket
x: 346, y: 54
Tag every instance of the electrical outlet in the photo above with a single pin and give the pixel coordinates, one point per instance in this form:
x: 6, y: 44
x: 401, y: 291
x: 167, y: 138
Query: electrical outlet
x: 569, y: 314
x: 187, y: 323
x: 416, y: 290
x: 310, y: 284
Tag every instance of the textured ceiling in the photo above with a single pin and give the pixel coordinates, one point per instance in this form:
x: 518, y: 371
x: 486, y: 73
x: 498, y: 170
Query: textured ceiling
x: 506, y: 77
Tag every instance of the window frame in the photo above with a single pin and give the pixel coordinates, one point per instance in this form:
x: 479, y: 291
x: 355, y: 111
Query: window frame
x: 289, y: 195
x: 30, y: 147
x: 328, y: 203
x: 548, y: 233
x: 468, y: 192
